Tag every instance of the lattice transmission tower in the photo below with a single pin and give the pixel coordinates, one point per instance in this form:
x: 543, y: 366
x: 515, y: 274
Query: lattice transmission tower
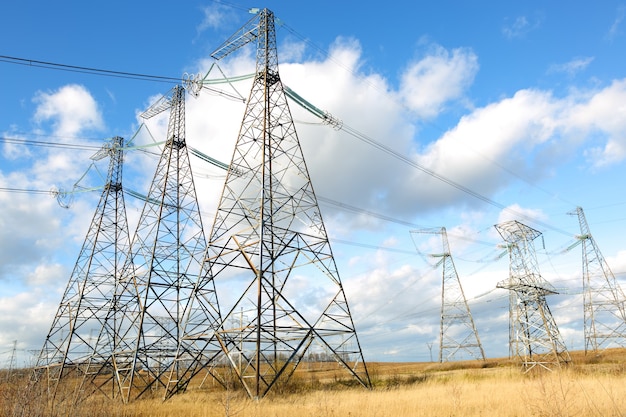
x: 458, y: 337
x: 603, y: 299
x: 269, y: 244
x: 142, y: 334
x: 534, y: 337
x: 83, y: 309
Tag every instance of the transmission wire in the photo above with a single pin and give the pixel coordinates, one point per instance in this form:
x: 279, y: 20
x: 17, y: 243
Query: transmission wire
x: 88, y: 70
x: 355, y: 133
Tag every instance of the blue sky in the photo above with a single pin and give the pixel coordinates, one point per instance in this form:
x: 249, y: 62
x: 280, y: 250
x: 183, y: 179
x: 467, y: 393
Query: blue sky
x: 523, y: 104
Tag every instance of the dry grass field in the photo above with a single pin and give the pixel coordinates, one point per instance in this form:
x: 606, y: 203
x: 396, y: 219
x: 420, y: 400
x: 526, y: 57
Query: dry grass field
x: 592, y: 385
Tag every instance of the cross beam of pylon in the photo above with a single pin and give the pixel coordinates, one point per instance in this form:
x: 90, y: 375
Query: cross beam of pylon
x: 533, y: 334
x: 458, y: 337
x: 603, y: 299
x: 269, y: 245
x: 71, y: 342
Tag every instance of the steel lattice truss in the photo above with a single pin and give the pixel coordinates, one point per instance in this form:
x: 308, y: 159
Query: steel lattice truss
x: 269, y: 245
x: 534, y: 335
x: 604, y: 312
x: 458, y: 338
x: 82, y: 312
x: 142, y: 334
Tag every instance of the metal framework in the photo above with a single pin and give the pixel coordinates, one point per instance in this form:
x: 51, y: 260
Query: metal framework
x: 141, y: 337
x: 533, y: 334
x: 269, y: 244
x: 86, y: 301
x: 603, y: 305
x: 458, y: 338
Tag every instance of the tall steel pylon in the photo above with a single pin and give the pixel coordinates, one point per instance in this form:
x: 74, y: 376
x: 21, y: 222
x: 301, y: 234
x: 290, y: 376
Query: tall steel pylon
x: 86, y: 301
x: 142, y: 334
x: 269, y: 244
x: 603, y: 304
x: 533, y: 334
x: 457, y: 333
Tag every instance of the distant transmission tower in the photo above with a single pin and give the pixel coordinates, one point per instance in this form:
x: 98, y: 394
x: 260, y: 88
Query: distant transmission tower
x: 604, y: 311
x: 534, y: 335
x: 270, y: 245
x: 11, y: 363
x: 143, y: 330
x: 87, y: 299
x: 457, y: 335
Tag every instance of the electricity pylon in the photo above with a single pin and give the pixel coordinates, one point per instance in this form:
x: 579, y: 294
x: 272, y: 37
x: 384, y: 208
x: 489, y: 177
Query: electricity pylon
x: 457, y: 335
x: 144, y: 325
x: 533, y: 334
x: 603, y: 305
x: 86, y: 301
x: 270, y: 245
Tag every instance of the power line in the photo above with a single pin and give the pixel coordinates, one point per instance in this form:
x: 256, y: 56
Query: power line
x: 403, y: 158
x: 89, y: 70
x: 437, y: 127
x: 355, y: 133
x: 144, y: 198
x: 28, y: 142
x: 374, y: 247
x: 23, y: 191
x: 232, y: 5
x: 206, y: 158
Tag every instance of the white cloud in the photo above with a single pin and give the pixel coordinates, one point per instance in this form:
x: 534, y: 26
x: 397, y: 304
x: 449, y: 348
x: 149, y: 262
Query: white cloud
x: 517, y: 28
x: 516, y: 212
x: 603, y: 118
x: 25, y: 317
x: 213, y: 16
x: 614, y: 30
x: 572, y: 67
x: 45, y: 274
x: 71, y: 109
x: 525, y: 136
x: 14, y: 151
x: 216, y: 16
x: 436, y: 79
x: 28, y: 229
x: 520, y: 26
x: 33, y: 227
x: 618, y: 263
x: 292, y: 51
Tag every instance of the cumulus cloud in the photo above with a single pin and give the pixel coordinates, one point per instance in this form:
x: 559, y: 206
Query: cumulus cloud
x: 509, y: 131
x: 523, y: 137
x: 12, y: 150
x: 71, y: 109
x: 395, y: 312
x: 617, y: 263
x: 47, y: 274
x: 516, y: 212
x: 602, y: 116
x: 439, y: 77
x: 28, y: 229
x: 25, y: 317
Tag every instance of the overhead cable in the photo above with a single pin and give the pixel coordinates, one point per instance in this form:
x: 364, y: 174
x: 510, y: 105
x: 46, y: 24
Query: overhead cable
x: 381, y: 147
x: 17, y: 141
x: 88, y: 70
x: 23, y: 191
x: 347, y: 129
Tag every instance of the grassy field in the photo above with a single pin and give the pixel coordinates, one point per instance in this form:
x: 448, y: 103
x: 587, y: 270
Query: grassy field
x: 592, y: 385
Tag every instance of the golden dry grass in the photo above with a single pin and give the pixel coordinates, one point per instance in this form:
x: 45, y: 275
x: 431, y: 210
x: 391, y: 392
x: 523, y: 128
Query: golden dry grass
x: 594, y: 385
